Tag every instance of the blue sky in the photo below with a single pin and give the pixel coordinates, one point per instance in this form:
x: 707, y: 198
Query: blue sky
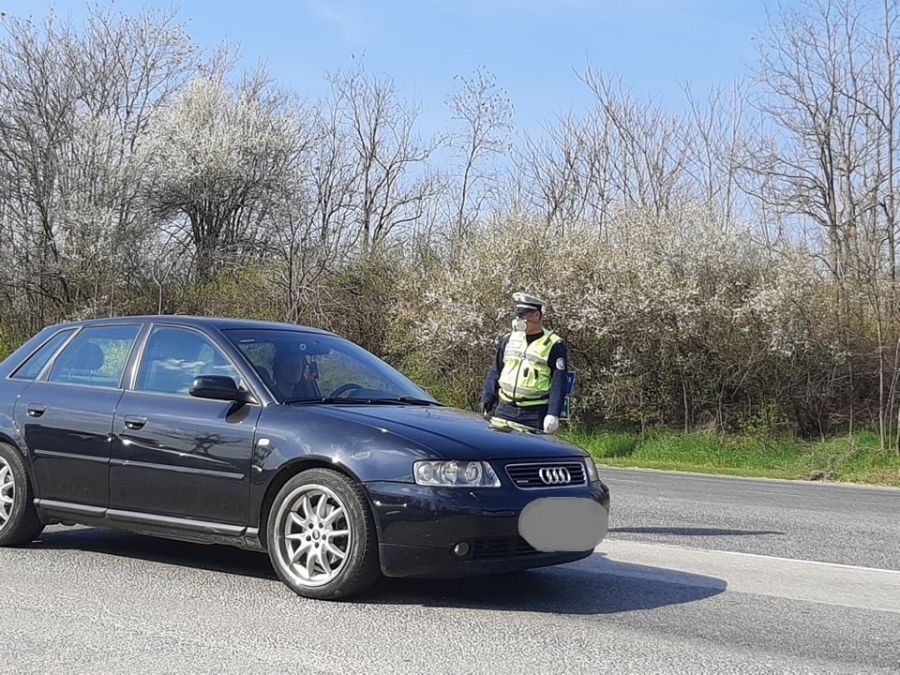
x: 535, y: 48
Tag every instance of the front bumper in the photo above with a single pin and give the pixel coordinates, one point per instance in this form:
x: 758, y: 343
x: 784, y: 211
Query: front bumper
x: 420, y: 528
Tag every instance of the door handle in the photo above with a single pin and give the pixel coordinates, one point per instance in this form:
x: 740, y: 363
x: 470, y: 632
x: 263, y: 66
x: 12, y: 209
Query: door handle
x: 36, y: 409
x: 134, y: 422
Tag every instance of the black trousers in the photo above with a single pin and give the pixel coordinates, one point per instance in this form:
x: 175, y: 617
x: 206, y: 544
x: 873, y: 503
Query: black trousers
x: 530, y: 415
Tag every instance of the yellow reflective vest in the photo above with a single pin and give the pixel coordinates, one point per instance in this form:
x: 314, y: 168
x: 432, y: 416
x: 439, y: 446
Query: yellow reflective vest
x: 525, y: 378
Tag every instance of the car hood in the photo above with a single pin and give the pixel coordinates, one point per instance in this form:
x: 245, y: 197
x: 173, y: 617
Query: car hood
x: 451, y: 432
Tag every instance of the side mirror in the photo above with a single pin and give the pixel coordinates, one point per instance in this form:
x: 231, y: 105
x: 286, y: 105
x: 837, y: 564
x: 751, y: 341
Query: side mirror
x: 220, y: 388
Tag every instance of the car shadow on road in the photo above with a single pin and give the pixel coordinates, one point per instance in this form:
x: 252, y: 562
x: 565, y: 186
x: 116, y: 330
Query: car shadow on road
x: 595, y: 585
x: 211, y: 557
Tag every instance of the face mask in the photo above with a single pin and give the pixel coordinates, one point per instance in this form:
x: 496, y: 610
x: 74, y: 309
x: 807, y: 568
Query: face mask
x: 519, y: 324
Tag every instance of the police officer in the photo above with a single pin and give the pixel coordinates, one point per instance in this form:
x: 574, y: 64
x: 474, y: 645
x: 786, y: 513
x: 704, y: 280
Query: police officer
x: 527, y: 379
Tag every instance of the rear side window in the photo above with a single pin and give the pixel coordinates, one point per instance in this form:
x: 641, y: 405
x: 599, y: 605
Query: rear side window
x: 96, y: 356
x: 36, y: 362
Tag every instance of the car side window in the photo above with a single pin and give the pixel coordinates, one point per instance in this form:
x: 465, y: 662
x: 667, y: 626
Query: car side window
x: 175, y: 356
x: 95, y: 357
x: 36, y: 362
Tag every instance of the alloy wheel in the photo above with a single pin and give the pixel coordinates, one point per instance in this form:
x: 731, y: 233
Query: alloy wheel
x: 314, y: 535
x: 7, y: 492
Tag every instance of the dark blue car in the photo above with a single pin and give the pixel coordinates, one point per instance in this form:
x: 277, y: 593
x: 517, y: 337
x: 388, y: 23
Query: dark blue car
x: 279, y: 438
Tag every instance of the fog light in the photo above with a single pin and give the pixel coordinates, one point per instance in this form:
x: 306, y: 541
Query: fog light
x: 461, y: 549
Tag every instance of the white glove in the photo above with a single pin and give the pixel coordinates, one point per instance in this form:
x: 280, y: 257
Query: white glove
x: 551, y: 424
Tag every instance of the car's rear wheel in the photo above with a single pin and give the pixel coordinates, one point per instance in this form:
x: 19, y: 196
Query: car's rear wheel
x: 19, y: 521
x: 321, y: 536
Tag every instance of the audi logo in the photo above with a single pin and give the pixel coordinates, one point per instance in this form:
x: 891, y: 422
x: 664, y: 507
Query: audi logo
x: 555, y: 475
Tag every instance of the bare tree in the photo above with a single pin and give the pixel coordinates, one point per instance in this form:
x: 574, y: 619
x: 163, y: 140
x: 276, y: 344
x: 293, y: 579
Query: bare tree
x: 828, y: 73
x: 818, y: 77
x: 565, y: 174
x: 625, y: 152
x: 392, y: 181
x: 485, y: 112
x: 715, y: 130
x: 313, y: 222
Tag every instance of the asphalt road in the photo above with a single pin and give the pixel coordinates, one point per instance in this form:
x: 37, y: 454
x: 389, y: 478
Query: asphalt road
x: 699, y: 574
x: 844, y: 524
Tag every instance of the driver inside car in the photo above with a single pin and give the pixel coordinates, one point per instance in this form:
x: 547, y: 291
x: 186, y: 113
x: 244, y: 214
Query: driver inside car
x: 294, y: 378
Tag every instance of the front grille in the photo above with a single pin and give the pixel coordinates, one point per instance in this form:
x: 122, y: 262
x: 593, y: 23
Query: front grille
x: 512, y: 547
x: 547, y: 475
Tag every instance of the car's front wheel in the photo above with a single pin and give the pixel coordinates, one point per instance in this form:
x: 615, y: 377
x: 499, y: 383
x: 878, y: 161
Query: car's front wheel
x: 321, y: 536
x: 19, y: 521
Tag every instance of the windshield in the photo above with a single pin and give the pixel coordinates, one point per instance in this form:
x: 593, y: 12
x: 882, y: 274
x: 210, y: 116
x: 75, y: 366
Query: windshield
x: 300, y: 366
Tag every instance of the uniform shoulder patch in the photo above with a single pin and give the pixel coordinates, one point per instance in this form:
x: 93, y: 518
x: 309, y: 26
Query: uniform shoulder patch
x: 560, y: 364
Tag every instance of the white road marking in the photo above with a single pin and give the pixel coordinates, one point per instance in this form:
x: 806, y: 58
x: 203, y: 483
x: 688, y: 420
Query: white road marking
x: 613, y: 475
x: 804, y: 580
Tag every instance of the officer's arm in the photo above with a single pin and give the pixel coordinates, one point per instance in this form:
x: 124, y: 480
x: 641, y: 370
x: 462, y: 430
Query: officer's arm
x: 491, y: 382
x: 559, y: 365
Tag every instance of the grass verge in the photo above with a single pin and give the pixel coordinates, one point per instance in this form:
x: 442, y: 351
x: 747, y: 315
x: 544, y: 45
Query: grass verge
x: 852, y: 459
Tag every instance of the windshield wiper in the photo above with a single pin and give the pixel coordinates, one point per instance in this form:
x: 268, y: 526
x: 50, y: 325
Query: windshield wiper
x: 411, y: 400
x: 394, y: 400
x: 324, y: 399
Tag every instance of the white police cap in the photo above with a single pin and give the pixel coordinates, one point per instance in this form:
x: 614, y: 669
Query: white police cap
x: 524, y: 301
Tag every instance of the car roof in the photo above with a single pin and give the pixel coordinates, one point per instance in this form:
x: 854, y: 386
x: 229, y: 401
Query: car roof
x: 216, y: 322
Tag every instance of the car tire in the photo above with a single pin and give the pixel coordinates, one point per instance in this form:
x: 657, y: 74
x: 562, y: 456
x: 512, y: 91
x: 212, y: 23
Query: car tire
x: 321, y: 536
x: 19, y: 520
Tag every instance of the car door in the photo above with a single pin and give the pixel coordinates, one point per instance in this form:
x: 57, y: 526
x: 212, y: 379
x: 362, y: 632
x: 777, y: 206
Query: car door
x: 66, y: 417
x: 178, y: 460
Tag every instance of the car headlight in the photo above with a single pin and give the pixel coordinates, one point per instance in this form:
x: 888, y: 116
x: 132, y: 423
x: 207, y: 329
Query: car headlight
x: 451, y: 473
x: 593, y: 474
